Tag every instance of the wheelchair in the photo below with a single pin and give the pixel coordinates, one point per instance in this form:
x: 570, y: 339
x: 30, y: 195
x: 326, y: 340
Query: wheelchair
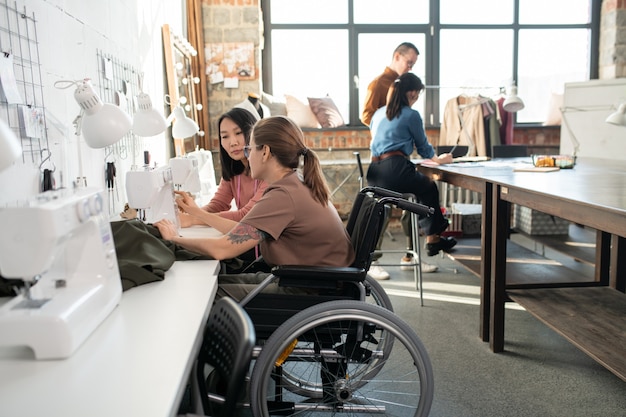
x: 341, y: 349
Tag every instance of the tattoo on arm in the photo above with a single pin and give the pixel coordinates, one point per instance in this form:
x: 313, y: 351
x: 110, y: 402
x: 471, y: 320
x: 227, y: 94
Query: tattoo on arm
x: 243, y: 232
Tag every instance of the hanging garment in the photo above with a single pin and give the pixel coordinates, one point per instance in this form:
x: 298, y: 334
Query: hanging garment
x: 463, y: 124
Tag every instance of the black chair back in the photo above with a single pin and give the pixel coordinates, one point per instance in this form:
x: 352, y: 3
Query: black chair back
x: 509, y: 151
x: 227, y: 347
x: 457, y: 151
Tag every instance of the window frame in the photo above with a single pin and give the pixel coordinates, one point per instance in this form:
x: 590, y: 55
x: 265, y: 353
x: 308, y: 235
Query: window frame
x: 431, y: 31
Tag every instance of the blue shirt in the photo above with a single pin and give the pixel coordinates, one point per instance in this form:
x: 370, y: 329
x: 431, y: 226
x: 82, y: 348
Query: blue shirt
x: 403, y: 133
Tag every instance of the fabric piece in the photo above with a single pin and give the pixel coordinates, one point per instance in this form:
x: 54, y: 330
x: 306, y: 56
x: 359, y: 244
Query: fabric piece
x: 326, y: 112
x: 463, y: 124
x: 142, y: 255
x: 301, y: 113
x: 287, y: 212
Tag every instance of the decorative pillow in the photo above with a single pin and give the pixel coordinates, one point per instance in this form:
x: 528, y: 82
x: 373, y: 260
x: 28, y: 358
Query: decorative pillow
x: 277, y: 106
x: 326, y: 111
x: 300, y: 113
x: 554, y: 110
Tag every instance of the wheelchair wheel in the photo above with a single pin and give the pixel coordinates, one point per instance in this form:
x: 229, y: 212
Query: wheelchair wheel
x: 377, y: 294
x: 337, y: 351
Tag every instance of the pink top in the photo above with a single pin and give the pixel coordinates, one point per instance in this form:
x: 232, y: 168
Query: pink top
x: 242, y: 188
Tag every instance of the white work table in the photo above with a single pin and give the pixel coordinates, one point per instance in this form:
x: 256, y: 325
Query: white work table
x: 136, y: 363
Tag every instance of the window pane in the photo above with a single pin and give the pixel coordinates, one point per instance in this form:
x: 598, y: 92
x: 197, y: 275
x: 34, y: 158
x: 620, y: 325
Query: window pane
x: 474, y: 70
x: 312, y: 69
x: 391, y: 11
x: 476, y: 12
x: 309, y: 11
x: 549, y: 58
x: 555, y: 11
x: 376, y: 52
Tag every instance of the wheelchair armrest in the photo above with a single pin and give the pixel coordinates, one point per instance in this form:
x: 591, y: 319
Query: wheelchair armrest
x: 316, y: 276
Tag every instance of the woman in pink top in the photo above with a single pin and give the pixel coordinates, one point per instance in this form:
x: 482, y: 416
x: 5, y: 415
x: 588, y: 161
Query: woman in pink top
x: 236, y: 184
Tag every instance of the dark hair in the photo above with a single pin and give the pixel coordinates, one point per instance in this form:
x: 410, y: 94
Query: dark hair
x: 397, y: 93
x: 404, y: 47
x: 245, y: 120
x: 286, y: 142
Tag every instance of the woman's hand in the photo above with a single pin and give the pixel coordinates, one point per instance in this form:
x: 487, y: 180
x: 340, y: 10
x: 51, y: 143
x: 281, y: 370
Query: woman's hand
x: 186, y: 202
x: 167, y: 229
x: 444, y: 158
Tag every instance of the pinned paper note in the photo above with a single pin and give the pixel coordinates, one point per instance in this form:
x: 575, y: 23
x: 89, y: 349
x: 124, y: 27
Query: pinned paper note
x: 7, y: 79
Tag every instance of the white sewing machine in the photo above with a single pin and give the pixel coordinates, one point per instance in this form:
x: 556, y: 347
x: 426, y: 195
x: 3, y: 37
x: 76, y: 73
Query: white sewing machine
x: 151, y: 193
x: 61, y: 246
x: 185, y: 174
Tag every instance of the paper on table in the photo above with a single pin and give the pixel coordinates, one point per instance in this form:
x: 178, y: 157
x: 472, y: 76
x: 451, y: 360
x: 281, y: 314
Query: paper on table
x: 535, y: 169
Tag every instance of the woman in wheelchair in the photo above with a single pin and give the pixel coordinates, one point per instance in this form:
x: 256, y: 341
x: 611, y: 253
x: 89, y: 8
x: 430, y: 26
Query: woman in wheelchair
x: 293, y: 223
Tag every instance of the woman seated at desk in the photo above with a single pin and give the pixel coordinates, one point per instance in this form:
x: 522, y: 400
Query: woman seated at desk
x: 396, y: 130
x: 236, y: 184
x: 294, y: 222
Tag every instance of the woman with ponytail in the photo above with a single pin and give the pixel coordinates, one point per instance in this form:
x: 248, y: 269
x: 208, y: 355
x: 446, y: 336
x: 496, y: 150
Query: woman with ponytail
x: 294, y: 222
x: 397, y: 130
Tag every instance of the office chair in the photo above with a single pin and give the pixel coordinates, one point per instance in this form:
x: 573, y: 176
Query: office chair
x: 229, y: 338
x: 509, y: 151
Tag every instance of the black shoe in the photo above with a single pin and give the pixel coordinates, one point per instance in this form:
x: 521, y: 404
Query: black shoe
x: 444, y: 244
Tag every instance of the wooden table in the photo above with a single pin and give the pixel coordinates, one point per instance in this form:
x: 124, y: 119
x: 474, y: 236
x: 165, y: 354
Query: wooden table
x: 591, y: 194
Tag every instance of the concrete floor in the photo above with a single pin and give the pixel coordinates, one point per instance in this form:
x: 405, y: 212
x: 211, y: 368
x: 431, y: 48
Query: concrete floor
x: 539, y: 373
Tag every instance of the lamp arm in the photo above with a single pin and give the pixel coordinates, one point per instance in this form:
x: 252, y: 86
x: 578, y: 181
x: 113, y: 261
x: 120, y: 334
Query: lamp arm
x: 575, y: 142
x: 81, y: 180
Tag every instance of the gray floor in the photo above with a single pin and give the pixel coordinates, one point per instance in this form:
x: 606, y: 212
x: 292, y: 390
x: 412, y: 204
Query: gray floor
x: 539, y: 373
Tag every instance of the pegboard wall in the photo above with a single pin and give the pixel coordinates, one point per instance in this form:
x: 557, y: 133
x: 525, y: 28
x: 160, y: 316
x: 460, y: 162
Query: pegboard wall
x: 21, y: 100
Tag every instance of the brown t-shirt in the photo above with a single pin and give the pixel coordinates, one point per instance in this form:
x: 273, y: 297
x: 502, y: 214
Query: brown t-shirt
x: 301, y: 231
x: 376, y: 96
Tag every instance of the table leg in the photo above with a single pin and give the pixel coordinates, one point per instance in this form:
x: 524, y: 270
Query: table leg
x: 603, y: 257
x: 485, y: 264
x: 618, y: 263
x: 501, y: 225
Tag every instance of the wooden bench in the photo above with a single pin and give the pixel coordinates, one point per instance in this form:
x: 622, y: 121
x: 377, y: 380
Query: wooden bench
x: 591, y: 318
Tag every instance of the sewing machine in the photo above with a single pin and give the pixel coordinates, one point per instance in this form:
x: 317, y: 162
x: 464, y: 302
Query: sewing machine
x: 206, y: 171
x: 185, y: 174
x: 60, y: 246
x: 151, y: 193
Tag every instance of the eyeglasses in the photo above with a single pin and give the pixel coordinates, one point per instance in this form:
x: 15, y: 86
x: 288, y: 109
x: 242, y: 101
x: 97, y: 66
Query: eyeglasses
x: 246, y: 150
x: 409, y: 63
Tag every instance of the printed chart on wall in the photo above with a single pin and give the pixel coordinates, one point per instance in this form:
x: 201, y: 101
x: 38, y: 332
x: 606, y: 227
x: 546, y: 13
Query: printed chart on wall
x: 229, y: 62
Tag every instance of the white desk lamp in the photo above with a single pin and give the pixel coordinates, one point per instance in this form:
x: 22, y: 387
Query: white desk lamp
x: 101, y: 124
x: 147, y: 121
x: 618, y: 117
x: 10, y: 148
x: 512, y: 102
x: 182, y: 126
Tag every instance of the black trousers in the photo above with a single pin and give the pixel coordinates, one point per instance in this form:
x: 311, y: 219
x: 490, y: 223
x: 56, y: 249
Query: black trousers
x: 398, y: 174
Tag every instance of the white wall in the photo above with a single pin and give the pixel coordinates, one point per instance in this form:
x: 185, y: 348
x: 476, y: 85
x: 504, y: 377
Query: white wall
x: 70, y: 32
x: 586, y: 106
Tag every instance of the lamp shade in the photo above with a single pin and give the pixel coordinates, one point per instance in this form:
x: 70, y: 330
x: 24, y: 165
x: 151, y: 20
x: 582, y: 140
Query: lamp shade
x: 182, y: 126
x: 103, y: 124
x: 618, y: 117
x: 513, y: 103
x: 10, y: 149
x: 147, y: 121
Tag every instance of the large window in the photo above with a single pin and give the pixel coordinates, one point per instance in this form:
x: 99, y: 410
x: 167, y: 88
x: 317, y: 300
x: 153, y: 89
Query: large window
x: 315, y: 48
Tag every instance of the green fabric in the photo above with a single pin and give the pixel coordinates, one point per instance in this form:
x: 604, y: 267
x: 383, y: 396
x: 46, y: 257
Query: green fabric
x: 142, y: 255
